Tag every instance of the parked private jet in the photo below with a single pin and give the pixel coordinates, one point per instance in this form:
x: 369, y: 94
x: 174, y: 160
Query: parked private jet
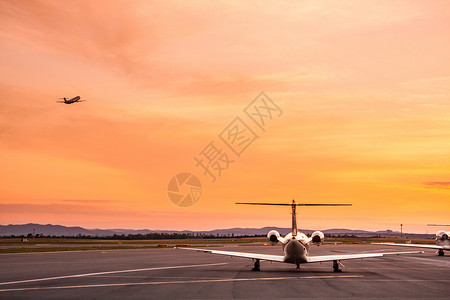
x: 70, y: 101
x: 296, y: 245
x: 442, y: 242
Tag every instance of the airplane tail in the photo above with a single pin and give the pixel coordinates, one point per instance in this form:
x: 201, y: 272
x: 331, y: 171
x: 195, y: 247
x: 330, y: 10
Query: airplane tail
x: 294, y: 206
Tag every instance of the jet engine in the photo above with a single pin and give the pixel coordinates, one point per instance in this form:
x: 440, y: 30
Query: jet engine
x: 273, y: 237
x: 317, y: 238
x: 442, y: 235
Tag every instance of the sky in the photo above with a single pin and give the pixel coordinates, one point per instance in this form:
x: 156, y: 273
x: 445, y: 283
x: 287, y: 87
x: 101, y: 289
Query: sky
x: 357, y: 110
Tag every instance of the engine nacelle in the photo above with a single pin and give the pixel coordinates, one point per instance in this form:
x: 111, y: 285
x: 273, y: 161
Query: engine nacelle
x: 273, y: 237
x: 442, y: 235
x: 317, y: 238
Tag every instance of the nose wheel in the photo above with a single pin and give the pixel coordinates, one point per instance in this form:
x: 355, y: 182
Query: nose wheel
x: 256, y: 265
x: 441, y: 252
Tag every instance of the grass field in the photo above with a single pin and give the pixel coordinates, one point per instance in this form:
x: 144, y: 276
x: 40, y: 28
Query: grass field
x: 16, y: 245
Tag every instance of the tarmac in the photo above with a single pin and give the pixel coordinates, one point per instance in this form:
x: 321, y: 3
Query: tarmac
x: 173, y: 274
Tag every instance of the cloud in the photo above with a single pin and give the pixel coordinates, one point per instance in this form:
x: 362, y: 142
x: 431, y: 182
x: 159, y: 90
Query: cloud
x: 215, y: 48
x: 64, y: 209
x: 438, y: 185
x: 104, y: 33
x: 87, y: 201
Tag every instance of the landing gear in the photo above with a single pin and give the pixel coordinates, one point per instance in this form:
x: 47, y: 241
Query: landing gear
x: 256, y: 265
x: 336, y: 266
x: 298, y: 266
x: 441, y: 252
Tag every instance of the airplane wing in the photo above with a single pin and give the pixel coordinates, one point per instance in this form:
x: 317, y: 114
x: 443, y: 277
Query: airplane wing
x: 267, y: 257
x: 414, y: 246
x: 313, y: 259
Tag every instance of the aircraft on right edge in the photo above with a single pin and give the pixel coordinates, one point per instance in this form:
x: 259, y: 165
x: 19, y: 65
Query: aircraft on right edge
x: 442, y: 242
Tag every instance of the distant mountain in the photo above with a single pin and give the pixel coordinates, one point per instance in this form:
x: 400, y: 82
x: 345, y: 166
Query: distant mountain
x: 59, y: 230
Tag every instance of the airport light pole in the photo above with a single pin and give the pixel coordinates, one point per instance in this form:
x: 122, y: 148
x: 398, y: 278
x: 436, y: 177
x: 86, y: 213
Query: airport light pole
x: 401, y: 232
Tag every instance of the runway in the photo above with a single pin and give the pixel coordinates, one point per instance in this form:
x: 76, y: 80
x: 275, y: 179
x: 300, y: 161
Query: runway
x: 168, y: 273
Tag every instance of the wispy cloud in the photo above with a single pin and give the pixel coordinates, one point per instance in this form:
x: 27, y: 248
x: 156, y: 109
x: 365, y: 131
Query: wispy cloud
x: 58, y: 209
x: 88, y: 201
x: 438, y: 185
x: 212, y: 48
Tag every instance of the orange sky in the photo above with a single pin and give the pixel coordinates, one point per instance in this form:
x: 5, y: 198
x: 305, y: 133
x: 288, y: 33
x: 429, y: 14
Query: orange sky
x: 363, y: 86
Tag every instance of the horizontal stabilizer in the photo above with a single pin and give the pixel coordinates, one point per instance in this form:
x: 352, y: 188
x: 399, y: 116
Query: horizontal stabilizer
x: 295, y: 204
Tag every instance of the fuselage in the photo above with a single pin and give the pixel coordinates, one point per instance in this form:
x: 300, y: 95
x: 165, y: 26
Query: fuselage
x: 295, y: 248
x: 73, y: 100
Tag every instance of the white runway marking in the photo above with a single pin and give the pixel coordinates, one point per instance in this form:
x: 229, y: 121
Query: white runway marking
x: 178, y: 282
x: 353, y: 277
x: 433, y: 261
x: 110, y: 272
x: 48, y: 252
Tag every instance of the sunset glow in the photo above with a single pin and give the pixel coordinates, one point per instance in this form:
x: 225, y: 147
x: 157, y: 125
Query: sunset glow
x: 364, y: 89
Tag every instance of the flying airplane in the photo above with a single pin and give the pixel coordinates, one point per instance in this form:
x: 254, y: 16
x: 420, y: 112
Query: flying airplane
x: 70, y: 101
x: 442, y: 242
x: 296, y: 245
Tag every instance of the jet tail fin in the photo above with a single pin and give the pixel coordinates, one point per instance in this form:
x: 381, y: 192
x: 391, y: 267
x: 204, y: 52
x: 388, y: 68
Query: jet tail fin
x: 293, y: 206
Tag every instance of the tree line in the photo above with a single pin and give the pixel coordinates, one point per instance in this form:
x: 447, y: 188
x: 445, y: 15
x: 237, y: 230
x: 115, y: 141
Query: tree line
x: 148, y: 236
